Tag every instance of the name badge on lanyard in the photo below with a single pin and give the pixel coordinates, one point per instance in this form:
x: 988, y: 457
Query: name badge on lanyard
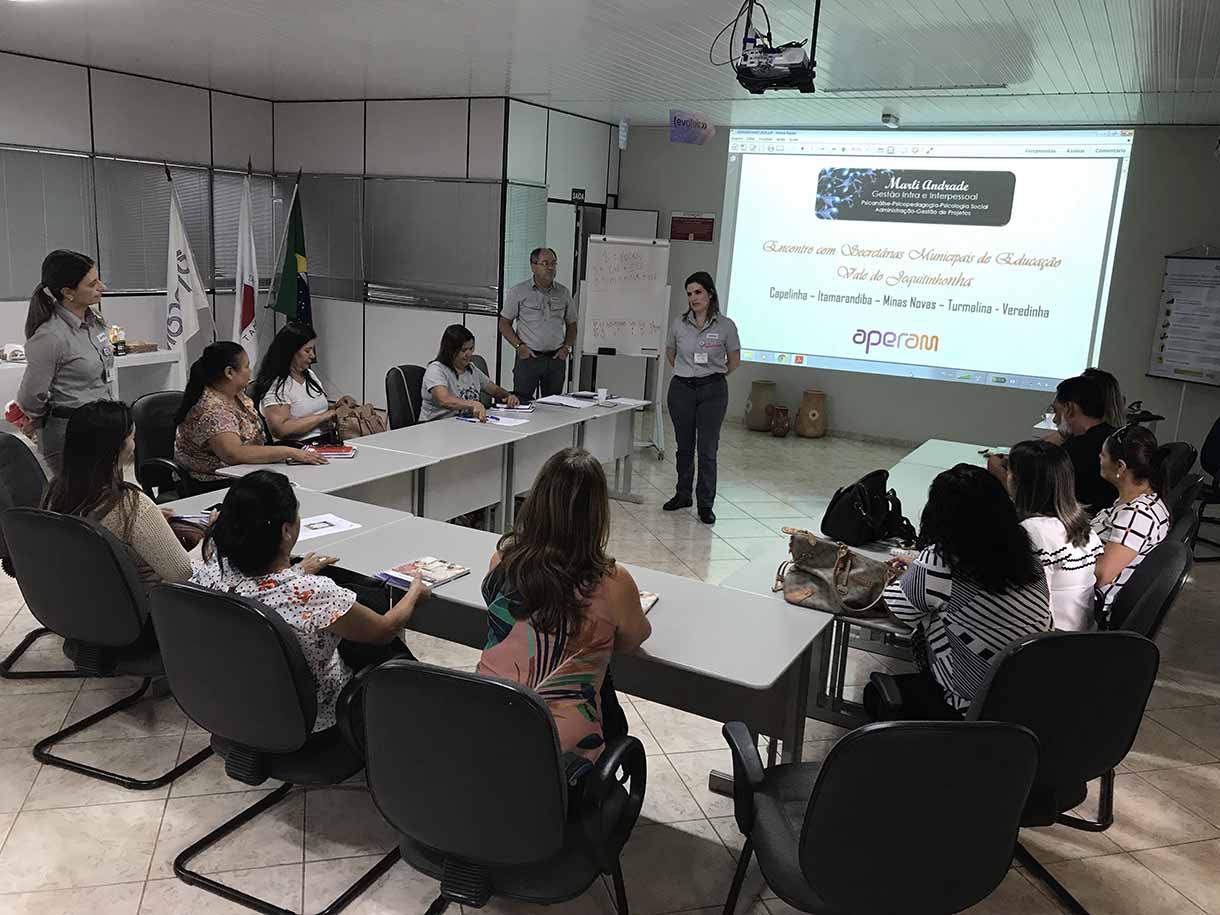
x: 700, y: 358
x: 104, y: 351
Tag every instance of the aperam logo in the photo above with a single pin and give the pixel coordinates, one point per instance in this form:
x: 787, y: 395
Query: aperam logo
x: 889, y: 339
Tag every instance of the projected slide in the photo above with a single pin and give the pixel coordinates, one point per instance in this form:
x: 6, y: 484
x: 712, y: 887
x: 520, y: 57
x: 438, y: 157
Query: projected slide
x: 982, y: 257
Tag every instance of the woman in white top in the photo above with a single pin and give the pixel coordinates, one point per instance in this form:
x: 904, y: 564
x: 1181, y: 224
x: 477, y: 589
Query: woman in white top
x: 1138, y: 520
x: 287, y: 392
x: 452, y: 382
x: 1043, y: 488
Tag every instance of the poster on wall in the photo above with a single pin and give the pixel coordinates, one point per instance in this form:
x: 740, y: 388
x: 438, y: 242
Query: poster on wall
x: 1186, y: 340
x: 692, y: 226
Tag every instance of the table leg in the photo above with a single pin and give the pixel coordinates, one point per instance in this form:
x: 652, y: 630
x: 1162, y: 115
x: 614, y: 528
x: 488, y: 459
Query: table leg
x: 421, y: 476
x: 622, y: 481
x: 796, y: 699
x: 508, y: 505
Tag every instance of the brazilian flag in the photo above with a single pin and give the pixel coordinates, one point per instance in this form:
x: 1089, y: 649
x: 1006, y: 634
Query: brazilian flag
x: 292, y: 297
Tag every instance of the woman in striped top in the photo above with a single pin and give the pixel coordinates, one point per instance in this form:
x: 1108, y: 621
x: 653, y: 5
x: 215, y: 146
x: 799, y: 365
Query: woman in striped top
x: 1139, y: 519
x: 975, y: 588
x: 1043, y: 488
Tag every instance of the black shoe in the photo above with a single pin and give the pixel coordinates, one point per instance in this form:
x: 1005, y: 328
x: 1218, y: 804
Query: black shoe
x: 707, y: 516
x: 676, y: 503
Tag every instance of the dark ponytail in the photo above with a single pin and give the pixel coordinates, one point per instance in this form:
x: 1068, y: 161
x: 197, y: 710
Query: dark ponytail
x: 60, y: 270
x: 249, y: 530
x: 1136, y: 447
x: 208, y: 369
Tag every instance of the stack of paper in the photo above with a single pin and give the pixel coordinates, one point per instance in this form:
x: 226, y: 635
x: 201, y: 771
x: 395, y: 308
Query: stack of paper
x: 566, y: 400
x: 321, y: 525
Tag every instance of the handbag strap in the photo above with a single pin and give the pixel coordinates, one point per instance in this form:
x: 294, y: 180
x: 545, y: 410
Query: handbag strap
x: 778, y: 584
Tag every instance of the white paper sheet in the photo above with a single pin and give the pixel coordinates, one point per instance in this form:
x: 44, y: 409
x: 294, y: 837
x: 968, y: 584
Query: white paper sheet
x: 324, y: 525
x: 563, y: 400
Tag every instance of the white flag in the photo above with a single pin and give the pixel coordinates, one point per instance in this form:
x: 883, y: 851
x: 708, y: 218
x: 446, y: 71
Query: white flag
x: 244, y: 331
x: 185, y: 296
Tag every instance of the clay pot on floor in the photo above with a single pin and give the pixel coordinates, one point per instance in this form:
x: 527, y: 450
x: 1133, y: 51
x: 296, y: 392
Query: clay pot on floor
x: 811, y: 415
x: 780, y: 424
x: 758, y: 406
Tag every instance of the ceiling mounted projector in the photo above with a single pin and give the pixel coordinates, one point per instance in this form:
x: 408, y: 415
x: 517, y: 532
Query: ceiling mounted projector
x: 762, y: 65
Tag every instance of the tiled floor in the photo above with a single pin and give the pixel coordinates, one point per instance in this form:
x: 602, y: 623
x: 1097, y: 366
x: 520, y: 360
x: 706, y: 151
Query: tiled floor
x: 72, y: 845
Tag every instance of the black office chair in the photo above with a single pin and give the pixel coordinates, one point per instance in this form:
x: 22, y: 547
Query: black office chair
x: 403, y: 386
x: 238, y: 671
x: 1083, y: 694
x: 157, y: 472
x: 481, y: 364
x: 1185, y: 527
x: 507, y: 830
x: 78, y: 580
x: 912, y: 817
x: 1150, y: 592
x: 1179, y: 459
x: 1185, y: 494
x: 22, y: 483
x: 1209, y: 460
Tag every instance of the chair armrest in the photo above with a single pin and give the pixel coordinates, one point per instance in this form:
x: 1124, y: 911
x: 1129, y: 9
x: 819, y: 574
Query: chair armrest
x: 888, y: 693
x: 622, y: 767
x: 349, y: 710
x: 178, y: 476
x: 748, y: 773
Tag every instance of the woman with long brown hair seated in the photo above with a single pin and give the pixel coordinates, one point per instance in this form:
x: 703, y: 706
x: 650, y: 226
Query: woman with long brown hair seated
x: 558, y: 606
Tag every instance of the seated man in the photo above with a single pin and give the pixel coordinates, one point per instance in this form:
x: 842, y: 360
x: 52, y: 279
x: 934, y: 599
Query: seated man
x: 1079, y: 406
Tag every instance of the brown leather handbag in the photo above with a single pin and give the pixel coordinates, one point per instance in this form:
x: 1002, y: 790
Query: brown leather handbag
x: 354, y: 420
x: 829, y: 576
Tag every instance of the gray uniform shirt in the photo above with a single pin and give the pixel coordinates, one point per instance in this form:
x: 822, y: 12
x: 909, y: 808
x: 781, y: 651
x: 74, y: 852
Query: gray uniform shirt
x: 466, y: 386
x: 540, y: 316
x: 699, y: 353
x: 68, y: 363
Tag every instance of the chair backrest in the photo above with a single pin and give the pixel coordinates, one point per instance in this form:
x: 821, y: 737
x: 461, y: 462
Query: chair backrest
x: 1145, y: 599
x: 22, y: 481
x: 1184, y: 527
x: 1209, y: 454
x: 886, y: 789
x: 1185, y: 494
x: 76, y: 577
x: 1082, y: 693
x: 153, y: 415
x: 235, y: 666
x: 1179, y: 459
x: 466, y: 765
x: 481, y: 364
x: 403, y: 397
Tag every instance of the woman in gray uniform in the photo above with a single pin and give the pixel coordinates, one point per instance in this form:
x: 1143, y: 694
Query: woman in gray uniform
x: 68, y: 356
x: 702, y: 349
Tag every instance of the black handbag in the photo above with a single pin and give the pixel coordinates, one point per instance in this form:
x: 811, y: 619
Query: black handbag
x: 866, y: 511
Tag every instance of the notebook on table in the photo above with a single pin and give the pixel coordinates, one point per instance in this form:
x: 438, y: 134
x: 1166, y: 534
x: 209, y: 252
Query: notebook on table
x: 435, y: 572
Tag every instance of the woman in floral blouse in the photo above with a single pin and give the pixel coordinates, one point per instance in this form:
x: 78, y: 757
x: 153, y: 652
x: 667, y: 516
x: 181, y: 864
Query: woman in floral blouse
x: 217, y: 423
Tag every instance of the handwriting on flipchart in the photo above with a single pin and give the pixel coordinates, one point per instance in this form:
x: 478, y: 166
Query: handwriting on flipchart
x: 606, y: 328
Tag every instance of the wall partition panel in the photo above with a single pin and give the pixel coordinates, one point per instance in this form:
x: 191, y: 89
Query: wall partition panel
x: 46, y: 202
x: 241, y: 132
x: 417, y: 137
x: 577, y: 157
x: 133, y: 221
x: 150, y: 119
x: 44, y: 103
x: 433, y: 243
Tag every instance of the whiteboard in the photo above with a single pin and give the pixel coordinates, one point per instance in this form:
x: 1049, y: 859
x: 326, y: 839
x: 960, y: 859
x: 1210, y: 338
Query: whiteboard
x: 625, y: 296
x: 1186, y: 338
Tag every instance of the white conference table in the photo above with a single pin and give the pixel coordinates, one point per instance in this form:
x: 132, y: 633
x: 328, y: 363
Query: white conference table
x: 716, y: 652
x: 475, y: 465
x: 910, y: 479
x: 373, y: 476
x: 370, y: 517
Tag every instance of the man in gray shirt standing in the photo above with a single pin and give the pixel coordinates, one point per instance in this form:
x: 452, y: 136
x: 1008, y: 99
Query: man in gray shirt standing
x: 544, y: 331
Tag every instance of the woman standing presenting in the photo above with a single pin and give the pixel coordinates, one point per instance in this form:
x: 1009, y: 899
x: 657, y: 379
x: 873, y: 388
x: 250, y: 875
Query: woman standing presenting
x: 702, y: 349
x: 69, y: 359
